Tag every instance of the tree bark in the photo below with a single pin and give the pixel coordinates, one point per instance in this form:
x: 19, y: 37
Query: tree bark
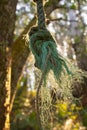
x: 7, y: 24
x: 81, y: 58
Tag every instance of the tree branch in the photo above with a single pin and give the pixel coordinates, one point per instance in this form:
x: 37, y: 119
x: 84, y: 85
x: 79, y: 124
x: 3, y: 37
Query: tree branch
x: 62, y: 19
x: 20, y: 53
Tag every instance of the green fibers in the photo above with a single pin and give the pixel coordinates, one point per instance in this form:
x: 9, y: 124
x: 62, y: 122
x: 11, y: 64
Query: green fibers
x: 40, y: 43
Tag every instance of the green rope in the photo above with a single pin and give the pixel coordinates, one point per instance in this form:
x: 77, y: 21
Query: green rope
x: 44, y: 48
x: 40, y: 41
x: 40, y: 14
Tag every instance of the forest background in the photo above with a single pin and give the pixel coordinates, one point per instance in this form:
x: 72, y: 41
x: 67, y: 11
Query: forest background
x: 67, y: 22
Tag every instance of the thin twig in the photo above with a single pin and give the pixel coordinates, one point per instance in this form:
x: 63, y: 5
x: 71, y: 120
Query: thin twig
x: 62, y: 19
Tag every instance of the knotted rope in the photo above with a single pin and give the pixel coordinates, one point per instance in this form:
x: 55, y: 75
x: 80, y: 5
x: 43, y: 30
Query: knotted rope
x: 45, y: 51
x: 40, y: 41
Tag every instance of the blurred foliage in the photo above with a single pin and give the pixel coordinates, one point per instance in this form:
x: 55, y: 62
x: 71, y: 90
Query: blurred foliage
x: 22, y: 122
x: 67, y: 114
x: 23, y: 115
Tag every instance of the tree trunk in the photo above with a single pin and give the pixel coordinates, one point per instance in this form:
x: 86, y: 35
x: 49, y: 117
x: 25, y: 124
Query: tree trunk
x: 7, y: 23
x: 81, y: 57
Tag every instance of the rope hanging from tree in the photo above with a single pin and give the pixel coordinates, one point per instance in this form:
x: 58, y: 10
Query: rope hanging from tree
x: 41, y: 41
x: 44, y: 48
